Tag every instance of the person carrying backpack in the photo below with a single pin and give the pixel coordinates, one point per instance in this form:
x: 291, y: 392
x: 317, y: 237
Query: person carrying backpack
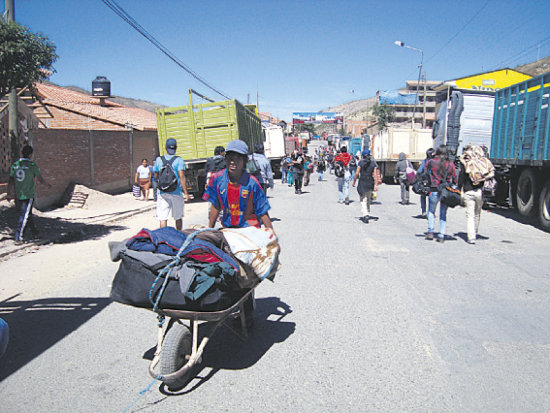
x: 264, y: 172
x: 298, y: 171
x: 172, y: 186
x: 343, y: 175
x: 366, y: 173
x: 321, y: 167
x: 420, y: 172
x: 401, y: 176
x: 441, y: 170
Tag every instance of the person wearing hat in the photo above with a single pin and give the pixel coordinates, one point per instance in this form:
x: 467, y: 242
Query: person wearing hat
x: 237, y: 194
x: 421, y: 170
x: 366, y: 172
x: 171, y: 201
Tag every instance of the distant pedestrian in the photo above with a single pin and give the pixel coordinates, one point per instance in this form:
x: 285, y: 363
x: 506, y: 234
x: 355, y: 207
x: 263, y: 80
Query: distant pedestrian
x: 171, y: 194
x: 215, y: 163
x: 321, y: 167
x: 308, y: 169
x: 440, y: 170
x: 266, y: 173
x: 401, y: 176
x: 21, y: 187
x: 143, y: 179
x: 343, y: 177
x: 352, y: 166
x: 284, y: 169
x: 422, y: 170
x: 366, y: 174
x: 298, y: 171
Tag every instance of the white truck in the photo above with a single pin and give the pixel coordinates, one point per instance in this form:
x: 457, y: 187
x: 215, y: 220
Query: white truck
x: 274, y: 146
x: 387, y: 144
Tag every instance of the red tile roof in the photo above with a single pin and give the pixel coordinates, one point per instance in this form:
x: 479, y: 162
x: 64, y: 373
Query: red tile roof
x: 79, y: 111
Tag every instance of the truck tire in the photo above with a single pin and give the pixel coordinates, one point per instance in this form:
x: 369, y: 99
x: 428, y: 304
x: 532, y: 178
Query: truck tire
x: 176, y: 346
x: 544, y: 206
x: 526, y: 193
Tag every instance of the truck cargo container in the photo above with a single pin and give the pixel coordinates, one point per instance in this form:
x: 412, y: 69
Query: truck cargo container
x: 274, y: 146
x: 387, y: 144
x: 199, y: 128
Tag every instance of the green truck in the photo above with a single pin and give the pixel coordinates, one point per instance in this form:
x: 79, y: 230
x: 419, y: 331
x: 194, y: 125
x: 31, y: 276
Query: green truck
x: 199, y: 128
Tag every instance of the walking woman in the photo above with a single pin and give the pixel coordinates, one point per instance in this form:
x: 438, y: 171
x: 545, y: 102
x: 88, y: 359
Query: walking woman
x: 440, y: 170
x: 365, y: 172
x: 143, y: 179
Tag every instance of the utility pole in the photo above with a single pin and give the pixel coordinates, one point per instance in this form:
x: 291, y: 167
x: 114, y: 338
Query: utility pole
x: 13, y: 126
x: 424, y: 118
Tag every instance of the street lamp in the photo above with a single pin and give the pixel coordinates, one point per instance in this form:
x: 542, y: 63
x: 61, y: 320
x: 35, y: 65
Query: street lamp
x: 401, y: 44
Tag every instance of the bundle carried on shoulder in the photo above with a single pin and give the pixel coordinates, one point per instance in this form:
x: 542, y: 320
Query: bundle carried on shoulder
x: 476, y: 164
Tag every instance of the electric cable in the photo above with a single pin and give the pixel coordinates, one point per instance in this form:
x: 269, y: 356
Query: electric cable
x: 119, y: 11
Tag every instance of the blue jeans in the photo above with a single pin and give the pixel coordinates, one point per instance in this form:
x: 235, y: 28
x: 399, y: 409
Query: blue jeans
x: 320, y: 175
x: 283, y: 176
x: 423, y: 203
x: 433, y: 200
x: 343, y: 188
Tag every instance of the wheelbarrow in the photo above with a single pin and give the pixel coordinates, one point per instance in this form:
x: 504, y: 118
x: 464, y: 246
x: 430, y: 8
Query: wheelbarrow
x: 178, y: 350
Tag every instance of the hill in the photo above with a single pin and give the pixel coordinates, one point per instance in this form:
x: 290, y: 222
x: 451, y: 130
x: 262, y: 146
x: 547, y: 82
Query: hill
x: 535, y: 68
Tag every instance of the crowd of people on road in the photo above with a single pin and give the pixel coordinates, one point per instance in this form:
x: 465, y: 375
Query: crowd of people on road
x: 246, y: 178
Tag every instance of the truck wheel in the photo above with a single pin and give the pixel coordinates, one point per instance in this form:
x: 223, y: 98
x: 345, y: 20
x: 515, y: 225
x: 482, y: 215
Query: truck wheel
x: 544, y: 206
x: 526, y: 193
x: 176, y: 348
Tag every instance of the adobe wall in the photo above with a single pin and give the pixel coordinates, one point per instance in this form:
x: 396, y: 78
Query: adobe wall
x: 98, y: 159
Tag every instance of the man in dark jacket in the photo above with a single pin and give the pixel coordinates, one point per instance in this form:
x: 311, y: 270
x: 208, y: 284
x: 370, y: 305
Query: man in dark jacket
x: 401, y: 176
x: 215, y: 164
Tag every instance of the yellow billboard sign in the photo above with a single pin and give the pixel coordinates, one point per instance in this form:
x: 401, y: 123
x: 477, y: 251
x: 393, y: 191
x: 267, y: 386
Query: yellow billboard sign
x: 491, y: 81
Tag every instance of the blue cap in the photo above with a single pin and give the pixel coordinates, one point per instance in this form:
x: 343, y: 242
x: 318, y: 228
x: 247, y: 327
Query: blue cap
x: 237, y: 146
x: 171, y: 146
x: 366, y: 152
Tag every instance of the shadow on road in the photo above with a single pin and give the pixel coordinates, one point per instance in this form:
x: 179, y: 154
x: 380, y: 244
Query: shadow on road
x: 54, y: 230
x: 226, y: 351
x: 515, y: 216
x: 37, y: 325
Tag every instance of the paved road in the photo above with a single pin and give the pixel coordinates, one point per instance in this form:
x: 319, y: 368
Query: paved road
x: 360, y: 318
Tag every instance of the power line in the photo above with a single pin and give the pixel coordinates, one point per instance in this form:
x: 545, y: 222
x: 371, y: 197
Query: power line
x: 522, y: 52
x: 119, y: 11
x: 458, y: 32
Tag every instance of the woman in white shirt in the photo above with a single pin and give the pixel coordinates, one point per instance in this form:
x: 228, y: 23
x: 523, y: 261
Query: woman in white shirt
x: 143, y: 179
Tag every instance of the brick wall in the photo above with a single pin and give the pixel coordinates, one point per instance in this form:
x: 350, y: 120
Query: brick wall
x: 64, y: 157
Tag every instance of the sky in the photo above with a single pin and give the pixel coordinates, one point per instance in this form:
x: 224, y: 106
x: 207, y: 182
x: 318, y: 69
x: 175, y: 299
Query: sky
x: 295, y: 55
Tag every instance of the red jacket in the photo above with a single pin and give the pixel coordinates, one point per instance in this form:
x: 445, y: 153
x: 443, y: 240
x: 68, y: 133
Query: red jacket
x: 344, y: 157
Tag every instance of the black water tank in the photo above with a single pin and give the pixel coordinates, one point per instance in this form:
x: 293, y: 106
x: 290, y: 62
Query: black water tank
x: 101, y: 87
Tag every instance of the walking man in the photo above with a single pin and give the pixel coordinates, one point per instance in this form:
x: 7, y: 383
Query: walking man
x: 22, y: 187
x: 266, y: 173
x: 366, y: 172
x: 401, y: 176
x: 172, y: 186
x: 343, y: 181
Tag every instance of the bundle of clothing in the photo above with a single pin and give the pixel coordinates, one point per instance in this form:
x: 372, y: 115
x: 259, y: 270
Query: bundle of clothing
x: 210, y: 273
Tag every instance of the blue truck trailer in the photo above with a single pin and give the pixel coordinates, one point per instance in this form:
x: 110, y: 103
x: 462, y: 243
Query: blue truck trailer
x: 520, y: 146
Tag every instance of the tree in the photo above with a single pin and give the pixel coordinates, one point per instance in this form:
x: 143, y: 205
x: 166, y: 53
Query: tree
x: 25, y: 57
x: 384, y: 114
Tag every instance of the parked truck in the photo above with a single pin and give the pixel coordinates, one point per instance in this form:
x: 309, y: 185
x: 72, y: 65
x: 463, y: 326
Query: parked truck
x: 199, y: 128
x: 513, y: 124
x: 520, y: 146
x: 274, y: 146
x: 387, y: 144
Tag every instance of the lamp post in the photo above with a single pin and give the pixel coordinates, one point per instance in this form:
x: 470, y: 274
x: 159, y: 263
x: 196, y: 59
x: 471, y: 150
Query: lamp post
x: 401, y: 44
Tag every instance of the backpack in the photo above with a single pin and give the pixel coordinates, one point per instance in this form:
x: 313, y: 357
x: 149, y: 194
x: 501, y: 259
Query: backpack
x: 339, y: 169
x: 252, y: 167
x: 168, y: 182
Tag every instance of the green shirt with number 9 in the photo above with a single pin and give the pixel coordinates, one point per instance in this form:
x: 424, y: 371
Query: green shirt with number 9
x: 23, y: 173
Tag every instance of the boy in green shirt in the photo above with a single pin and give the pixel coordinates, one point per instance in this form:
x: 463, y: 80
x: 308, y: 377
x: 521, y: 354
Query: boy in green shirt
x: 22, y: 174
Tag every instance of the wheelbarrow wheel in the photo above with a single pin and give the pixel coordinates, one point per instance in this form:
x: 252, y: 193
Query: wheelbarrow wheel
x: 176, y: 349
